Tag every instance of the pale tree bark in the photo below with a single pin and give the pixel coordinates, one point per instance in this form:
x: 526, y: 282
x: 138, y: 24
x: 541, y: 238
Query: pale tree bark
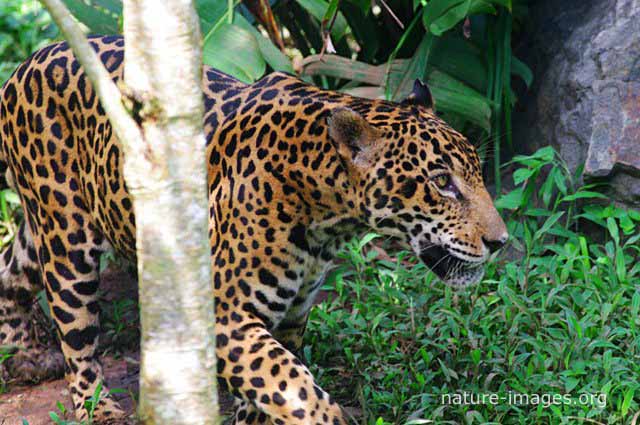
x: 163, y: 67
x: 165, y: 170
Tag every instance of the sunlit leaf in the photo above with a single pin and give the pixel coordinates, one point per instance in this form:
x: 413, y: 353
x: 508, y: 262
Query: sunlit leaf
x: 626, y: 402
x: 511, y: 200
x: 240, y: 56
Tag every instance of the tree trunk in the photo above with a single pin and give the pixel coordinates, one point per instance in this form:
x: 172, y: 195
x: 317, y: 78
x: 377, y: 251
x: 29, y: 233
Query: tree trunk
x: 165, y: 170
x: 163, y: 69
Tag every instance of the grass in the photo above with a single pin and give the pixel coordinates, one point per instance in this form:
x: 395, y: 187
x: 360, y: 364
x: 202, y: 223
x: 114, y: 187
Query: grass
x: 549, y: 336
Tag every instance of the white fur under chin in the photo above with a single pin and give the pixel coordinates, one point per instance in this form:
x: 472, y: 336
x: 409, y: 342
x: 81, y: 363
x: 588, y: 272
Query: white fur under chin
x: 471, y: 276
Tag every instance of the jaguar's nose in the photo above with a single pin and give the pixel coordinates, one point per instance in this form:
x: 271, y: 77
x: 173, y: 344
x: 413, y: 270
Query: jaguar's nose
x: 494, y: 245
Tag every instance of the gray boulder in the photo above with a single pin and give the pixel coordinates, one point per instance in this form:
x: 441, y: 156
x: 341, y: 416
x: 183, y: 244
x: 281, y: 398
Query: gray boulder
x: 585, y: 101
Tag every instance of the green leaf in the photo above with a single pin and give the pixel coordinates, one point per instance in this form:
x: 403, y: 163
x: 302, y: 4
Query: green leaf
x: 626, y: 224
x: 332, y: 9
x: 475, y: 356
x: 113, y: 6
x: 456, y: 14
x: 416, y: 69
x: 521, y: 70
x: 546, y: 190
x: 234, y: 50
x: 549, y: 222
x: 43, y: 303
x: 55, y: 418
x: 545, y: 154
x: 635, y: 304
x: 612, y: 226
x: 435, y: 9
x: 318, y: 9
x: 626, y: 402
x: 537, y: 212
x: 396, y: 50
x: 449, y: 19
x: 539, y: 158
x: 583, y: 195
x: 453, y: 96
x: 362, y: 28
x: 522, y: 174
x: 98, y: 16
x: 211, y: 13
x: 570, y: 384
x: 274, y: 57
x: 633, y: 240
x: 621, y: 267
x: 366, y: 239
x: 511, y: 200
x: 364, y: 5
x: 560, y: 182
x: 454, y: 55
x: 442, y: 15
x: 575, y: 324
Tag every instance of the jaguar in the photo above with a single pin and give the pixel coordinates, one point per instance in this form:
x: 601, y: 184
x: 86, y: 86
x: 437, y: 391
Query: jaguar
x: 293, y: 172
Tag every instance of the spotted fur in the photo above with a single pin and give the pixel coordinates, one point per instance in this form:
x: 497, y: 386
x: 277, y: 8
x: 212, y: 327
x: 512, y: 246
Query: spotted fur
x: 293, y: 172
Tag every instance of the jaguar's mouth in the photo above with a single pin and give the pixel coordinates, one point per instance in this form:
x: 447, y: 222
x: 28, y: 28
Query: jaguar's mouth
x: 450, y: 269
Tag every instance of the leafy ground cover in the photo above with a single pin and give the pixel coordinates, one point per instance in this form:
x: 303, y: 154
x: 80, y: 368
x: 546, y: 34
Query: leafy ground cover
x: 551, y: 333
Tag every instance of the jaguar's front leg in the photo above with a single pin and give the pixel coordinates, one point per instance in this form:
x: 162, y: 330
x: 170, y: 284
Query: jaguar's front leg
x: 289, y: 334
x: 261, y: 371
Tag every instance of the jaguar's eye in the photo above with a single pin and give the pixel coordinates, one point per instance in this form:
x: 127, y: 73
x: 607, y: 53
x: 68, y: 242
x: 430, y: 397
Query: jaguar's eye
x: 445, y: 182
x: 442, y: 181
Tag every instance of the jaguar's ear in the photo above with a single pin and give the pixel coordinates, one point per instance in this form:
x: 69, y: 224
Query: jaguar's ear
x: 350, y: 131
x: 420, y: 95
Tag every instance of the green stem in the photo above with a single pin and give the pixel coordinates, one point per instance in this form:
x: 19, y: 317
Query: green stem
x: 392, y: 57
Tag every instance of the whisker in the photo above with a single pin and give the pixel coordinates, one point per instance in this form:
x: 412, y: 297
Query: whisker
x: 431, y: 245
x: 441, y: 260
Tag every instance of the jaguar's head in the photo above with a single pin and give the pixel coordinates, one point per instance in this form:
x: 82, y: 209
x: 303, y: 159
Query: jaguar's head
x: 420, y: 181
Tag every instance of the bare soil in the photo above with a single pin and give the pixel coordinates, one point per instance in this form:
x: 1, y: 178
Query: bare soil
x: 33, y: 403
